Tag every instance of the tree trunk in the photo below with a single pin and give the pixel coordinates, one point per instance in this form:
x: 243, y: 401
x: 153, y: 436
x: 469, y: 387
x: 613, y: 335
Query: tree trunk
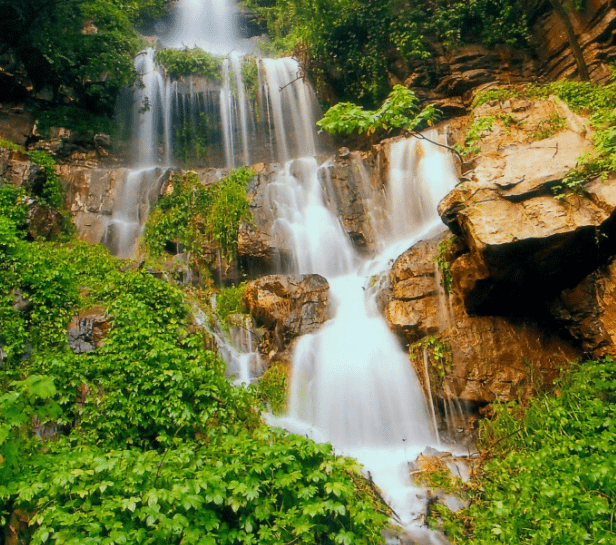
x: 582, y: 68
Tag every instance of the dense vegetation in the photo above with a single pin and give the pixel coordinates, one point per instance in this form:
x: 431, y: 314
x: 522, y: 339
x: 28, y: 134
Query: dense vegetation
x: 83, y: 49
x: 550, y: 476
x: 350, y: 46
x: 143, y: 439
x: 197, y: 218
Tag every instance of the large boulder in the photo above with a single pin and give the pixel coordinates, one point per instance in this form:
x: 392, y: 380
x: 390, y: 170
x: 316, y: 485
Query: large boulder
x: 475, y: 359
x: 524, y: 242
x: 287, y: 306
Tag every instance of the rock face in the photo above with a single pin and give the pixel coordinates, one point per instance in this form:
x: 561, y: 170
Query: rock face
x: 594, y: 27
x: 525, y: 243
x: 287, y: 306
x: 588, y: 311
x: 476, y: 359
x: 88, y: 329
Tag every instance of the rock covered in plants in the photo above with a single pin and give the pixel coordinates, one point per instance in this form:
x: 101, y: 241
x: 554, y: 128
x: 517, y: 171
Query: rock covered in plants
x: 88, y: 329
x: 288, y: 306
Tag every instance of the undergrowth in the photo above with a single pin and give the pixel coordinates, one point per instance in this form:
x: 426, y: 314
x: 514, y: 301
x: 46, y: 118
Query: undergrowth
x: 549, y: 478
x: 143, y: 439
x: 195, y: 217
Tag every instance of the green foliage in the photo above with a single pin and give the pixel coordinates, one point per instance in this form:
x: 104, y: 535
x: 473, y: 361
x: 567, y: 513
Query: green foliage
x: 494, y: 95
x: 439, y: 355
x: 555, y: 123
x: 82, y: 48
x: 192, y: 139
x: 250, y: 76
x: 551, y: 478
x: 272, y: 388
x: 350, y: 46
x: 13, y: 203
x: 51, y: 192
x: 264, y: 488
x: 32, y: 398
x: 190, y: 62
x: 46, y: 188
x: 194, y: 216
x: 473, y: 135
x: 399, y: 111
x: 72, y: 118
x: 443, y: 261
x: 230, y: 300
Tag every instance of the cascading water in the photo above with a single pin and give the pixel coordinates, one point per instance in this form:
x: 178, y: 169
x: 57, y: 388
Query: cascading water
x: 140, y: 186
x: 352, y: 384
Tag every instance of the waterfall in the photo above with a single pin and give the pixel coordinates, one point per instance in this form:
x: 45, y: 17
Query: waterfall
x: 351, y: 382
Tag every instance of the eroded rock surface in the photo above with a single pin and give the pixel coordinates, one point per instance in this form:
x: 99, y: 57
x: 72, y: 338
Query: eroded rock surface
x: 287, y: 306
x: 588, y: 311
x: 524, y: 242
x: 88, y: 329
x: 476, y: 359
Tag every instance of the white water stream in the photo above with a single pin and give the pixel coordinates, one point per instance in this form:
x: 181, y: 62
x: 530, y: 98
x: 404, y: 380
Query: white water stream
x: 352, y: 383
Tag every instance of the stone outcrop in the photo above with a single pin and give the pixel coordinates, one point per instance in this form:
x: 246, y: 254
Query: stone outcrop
x: 595, y: 30
x: 88, y: 329
x: 524, y: 243
x: 476, y: 359
x: 588, y: 311
x: 287, y: 306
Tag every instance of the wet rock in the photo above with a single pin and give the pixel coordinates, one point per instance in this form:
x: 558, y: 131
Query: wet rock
x: 287, y: 306
x: 588, y: 311
x: 87, y: 330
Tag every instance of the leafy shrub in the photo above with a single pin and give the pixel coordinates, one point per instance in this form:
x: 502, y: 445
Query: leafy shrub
x: 195, y: 216
x: 190, y: 62
x: 551, y: 477
x: 265, y: 488
x: 273, y: 387
x: 399, y: 111
x: 230, y: 300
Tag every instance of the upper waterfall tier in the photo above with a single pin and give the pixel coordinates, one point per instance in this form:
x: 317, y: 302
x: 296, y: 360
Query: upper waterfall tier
x: 199, y: 122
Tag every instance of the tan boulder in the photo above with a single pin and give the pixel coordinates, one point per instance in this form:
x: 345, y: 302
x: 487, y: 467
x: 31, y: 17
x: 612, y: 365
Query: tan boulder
x: 287, y: 306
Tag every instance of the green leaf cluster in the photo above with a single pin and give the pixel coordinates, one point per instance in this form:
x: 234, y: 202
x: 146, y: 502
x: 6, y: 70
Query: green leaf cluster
x: 551, y: 478
x: 190, y: 62
x: 273, y: 387
x: 230, y: 300
x: 196, y: 217
x: 400, y: 110
x: 350, y: 46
